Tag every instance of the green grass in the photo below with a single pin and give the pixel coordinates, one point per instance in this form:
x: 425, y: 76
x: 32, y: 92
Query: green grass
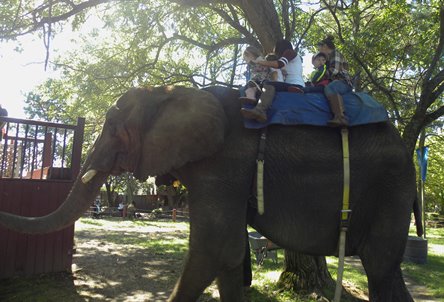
x: 159, y: 243
x: 431, y: 274
x: 91, y: 221
x: 264, y: 285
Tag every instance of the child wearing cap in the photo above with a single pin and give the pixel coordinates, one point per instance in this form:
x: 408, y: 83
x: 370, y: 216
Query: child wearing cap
x: 319, y: 77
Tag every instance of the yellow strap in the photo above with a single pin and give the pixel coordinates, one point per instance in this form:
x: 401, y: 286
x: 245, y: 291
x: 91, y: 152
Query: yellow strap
x: 344, y: 214
x: 260, y: 187
x: 346, y: 159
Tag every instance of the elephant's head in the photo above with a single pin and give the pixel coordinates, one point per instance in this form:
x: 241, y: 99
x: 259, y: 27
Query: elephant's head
x: 147, y: 132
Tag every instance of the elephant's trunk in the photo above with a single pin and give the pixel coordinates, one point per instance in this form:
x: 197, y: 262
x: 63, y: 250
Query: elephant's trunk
x: 78, y: 201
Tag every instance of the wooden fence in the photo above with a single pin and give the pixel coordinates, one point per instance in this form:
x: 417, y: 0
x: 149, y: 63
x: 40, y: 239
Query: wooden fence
x: 38, y: 164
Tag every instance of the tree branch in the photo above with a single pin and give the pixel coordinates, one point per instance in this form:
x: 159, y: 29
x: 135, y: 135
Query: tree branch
x: 378, y: 85
x: 212, y: 47
x: 439, y: 49
x: 38, y: 21
x: 286, y: 19
x: 430, y: 117
x: 310, y: 22
x: 234, y: 22
x: 437, y: 84
x: 338, y: 23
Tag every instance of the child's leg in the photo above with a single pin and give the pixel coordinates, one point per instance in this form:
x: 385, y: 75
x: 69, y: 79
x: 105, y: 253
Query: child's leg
x: 251, y: 92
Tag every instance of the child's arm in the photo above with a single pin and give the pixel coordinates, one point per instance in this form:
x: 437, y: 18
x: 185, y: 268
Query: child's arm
x: 273, y: 75
x: 272, y: 64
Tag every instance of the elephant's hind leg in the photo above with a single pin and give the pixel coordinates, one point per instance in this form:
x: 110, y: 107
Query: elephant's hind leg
x: 383, y: 268
x: 391, y: 289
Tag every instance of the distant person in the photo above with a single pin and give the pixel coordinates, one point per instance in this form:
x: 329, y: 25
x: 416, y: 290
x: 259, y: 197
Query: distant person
x: 97, y: 208
x: 120, y: 207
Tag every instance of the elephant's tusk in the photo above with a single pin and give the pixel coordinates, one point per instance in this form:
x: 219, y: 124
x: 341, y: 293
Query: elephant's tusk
x: 88, y: 176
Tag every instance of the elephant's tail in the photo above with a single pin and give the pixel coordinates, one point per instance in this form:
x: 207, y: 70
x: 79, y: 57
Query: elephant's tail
x: 418, y: 219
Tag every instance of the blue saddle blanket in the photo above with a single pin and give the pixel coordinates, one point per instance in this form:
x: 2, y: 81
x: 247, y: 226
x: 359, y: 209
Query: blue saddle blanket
x: 312, y: 109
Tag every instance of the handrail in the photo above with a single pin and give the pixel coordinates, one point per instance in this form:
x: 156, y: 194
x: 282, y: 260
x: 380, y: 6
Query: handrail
x: 34, y: 122
x: 39, y: 150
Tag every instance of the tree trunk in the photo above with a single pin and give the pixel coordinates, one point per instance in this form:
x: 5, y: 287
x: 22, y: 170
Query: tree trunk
x: 264, y: 20
x: 309, y: 276
x: 306, y: 274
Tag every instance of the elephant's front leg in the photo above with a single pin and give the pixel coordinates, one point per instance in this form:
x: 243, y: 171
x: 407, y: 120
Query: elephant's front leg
x: 217, y: 250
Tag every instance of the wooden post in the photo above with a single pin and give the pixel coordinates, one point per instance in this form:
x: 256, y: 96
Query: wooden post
x: 174, y: 215
x: 47, y: 156
x: 422, y: 138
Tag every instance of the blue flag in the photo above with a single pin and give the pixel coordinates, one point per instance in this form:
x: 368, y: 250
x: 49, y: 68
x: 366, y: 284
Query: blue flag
x: 422, y: 159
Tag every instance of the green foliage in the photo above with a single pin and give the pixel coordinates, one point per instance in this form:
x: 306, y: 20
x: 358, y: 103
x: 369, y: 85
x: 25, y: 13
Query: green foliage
x: 434, y: 190
x: 391, y: 44
x: 427, y: 274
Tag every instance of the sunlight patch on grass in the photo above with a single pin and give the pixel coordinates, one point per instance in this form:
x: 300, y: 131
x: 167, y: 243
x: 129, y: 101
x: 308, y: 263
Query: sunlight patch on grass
x: 140, y: 226
x: 352, y: 274
x: 91, y: 221
x: 437, y: 249
x: 428, y: 274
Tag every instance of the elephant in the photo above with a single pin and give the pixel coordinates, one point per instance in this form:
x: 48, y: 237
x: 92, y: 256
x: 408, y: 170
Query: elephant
x: 198, y: 136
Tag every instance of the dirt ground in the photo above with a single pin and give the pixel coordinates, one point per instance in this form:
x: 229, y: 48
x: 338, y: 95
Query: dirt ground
x: 128, y: 269
x: 119, y: 260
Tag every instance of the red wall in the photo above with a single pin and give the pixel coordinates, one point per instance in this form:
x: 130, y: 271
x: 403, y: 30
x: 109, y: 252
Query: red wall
x: 24, y: 255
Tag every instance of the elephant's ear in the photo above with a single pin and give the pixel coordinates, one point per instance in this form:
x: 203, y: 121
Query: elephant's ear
x: 189, y: 125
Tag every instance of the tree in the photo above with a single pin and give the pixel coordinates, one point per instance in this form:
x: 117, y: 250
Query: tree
x: 434, y: 191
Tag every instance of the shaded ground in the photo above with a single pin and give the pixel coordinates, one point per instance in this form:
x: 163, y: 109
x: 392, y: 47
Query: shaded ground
x: 119, y: 260
x: 136, y: 263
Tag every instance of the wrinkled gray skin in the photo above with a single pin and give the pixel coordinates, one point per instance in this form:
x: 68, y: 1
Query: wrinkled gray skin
x: 199, y: 137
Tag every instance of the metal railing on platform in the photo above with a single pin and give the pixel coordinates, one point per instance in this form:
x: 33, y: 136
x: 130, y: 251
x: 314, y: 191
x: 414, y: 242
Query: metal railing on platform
x: 39, y: 150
